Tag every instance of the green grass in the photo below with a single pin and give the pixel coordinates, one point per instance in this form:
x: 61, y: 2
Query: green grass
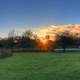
x: 41, y: 66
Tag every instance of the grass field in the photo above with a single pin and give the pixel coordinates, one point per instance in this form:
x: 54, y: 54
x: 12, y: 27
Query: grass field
x: 41, y: 66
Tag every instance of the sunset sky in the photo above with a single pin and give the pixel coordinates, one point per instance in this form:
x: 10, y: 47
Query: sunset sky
x: 31, y: 14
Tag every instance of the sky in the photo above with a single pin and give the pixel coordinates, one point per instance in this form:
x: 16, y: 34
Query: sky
x: 31, y: 14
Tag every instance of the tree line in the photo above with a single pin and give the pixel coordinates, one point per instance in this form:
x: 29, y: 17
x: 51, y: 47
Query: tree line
x: 28, y: 41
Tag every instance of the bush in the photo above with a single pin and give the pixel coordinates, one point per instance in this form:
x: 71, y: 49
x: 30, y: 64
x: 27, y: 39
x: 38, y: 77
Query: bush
x: 5, y: 53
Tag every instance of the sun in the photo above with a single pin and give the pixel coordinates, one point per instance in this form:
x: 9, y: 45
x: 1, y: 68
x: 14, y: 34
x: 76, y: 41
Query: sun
x: 44, y: 41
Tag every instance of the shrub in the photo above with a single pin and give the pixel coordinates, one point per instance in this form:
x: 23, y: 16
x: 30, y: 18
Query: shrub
x: 5, y: 53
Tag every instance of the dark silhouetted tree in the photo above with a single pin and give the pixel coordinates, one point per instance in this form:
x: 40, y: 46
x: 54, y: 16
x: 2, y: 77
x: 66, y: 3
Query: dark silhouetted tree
x: 65, y: 41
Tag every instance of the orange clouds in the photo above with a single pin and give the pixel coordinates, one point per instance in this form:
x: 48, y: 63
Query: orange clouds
x: 53, y: 30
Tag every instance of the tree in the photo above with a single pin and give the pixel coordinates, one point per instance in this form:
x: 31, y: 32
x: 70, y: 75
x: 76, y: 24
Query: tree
x: 27, y: 33
x: 65, y: 41
x: 11, y: 34
x: 77, y: 41
x: 27, y: 41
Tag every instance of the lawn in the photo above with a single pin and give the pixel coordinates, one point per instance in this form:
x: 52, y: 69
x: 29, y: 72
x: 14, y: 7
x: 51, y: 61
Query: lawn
x: 41, y: 66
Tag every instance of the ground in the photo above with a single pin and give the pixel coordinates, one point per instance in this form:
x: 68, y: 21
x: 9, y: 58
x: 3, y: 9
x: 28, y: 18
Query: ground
x: 41, y: 66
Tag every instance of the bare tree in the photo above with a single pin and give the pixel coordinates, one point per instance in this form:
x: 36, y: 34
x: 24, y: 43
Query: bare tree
x: 27, y: 33
x: 11, y: 33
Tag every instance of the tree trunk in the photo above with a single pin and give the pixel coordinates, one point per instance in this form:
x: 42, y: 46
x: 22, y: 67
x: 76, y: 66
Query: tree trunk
x: 64, y: 49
